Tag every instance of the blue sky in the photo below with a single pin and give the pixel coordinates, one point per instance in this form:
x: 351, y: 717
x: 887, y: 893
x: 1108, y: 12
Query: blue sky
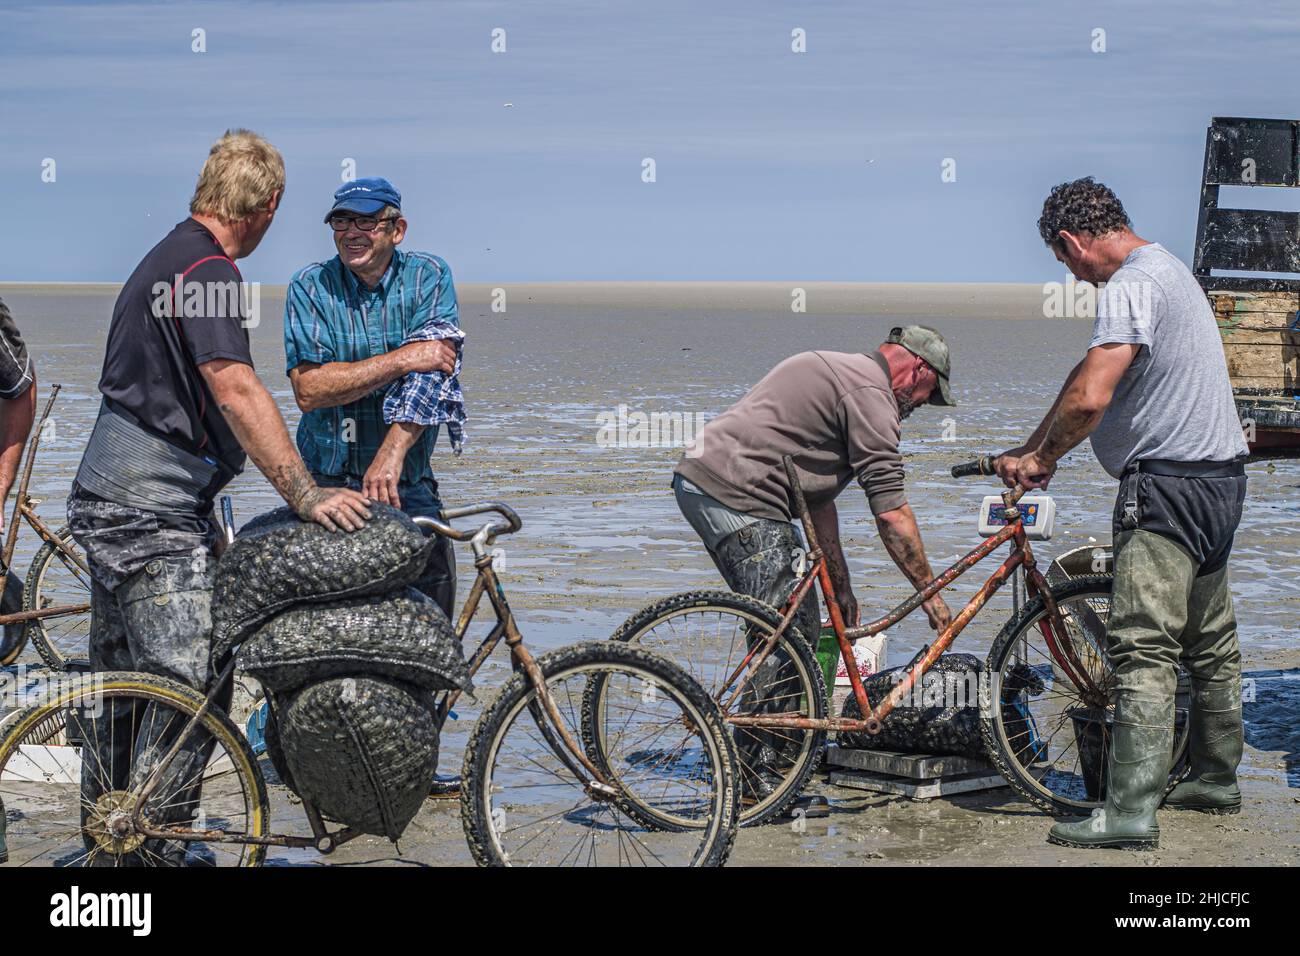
x: 770, y: 164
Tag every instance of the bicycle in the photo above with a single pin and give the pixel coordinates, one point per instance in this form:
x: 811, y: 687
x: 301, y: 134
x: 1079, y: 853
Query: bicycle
x: 55, y: 597
x: 1045, y: 712
x: 531, y: 795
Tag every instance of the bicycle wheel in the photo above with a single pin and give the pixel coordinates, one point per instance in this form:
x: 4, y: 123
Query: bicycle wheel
x: 522, y: 803
x: 1048, y: 738
x: 72, y: 769
x: 709, y: 634
x: 54, y: 579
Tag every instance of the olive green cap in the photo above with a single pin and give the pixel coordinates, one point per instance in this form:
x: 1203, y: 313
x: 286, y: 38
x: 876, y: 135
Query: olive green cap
x: 925, y: 342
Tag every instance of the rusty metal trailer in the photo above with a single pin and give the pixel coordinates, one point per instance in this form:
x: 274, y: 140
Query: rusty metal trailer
x: 1258, y: 317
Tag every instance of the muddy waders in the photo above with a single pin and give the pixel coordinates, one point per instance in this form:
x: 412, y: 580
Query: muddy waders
x: 151, y: 610
x: 756, y: 557
x: 1170, y: 603
x: 1215, y: 739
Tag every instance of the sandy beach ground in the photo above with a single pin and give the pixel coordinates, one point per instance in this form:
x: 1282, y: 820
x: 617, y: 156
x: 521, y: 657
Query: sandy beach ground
x: 602, y: 535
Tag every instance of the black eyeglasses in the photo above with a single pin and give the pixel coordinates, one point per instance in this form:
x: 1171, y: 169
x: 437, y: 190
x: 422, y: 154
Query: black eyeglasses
x: 364, y: 223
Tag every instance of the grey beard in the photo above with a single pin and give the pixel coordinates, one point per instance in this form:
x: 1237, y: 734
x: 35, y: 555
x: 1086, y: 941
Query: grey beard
x: 905, y: 406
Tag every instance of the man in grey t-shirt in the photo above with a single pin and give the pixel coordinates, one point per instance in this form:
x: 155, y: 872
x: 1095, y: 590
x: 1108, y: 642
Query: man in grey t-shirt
x: 1154, y: 395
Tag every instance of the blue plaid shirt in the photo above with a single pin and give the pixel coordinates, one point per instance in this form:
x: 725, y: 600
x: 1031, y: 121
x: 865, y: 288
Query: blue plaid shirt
x: 330, y: 317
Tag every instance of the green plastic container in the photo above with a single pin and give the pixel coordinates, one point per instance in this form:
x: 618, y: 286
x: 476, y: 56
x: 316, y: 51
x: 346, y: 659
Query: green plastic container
x: 828, y: 656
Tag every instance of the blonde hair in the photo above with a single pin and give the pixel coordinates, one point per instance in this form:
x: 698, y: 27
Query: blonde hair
x: 242, y: 172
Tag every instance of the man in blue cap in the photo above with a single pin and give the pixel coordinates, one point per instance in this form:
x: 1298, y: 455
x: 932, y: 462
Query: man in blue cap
x: 372, y: 345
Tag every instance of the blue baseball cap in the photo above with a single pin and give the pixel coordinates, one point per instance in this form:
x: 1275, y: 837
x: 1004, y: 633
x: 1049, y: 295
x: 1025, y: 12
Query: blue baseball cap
x: 365, y: 196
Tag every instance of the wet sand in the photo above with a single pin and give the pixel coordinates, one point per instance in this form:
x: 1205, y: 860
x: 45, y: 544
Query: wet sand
x: 602, y: 535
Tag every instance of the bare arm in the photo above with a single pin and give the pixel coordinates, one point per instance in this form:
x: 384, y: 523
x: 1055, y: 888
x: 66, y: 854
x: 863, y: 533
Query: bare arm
x: 16, y: 417
x: 382, y: 477
x: 254, y: 418
x: 826, y: 524
x: 1080, y: 408
x: 902, y: 539
x: 337, y: 383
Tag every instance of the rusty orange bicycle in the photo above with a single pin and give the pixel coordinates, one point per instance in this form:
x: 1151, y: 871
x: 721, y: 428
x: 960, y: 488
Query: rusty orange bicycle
x: 1045, y: 697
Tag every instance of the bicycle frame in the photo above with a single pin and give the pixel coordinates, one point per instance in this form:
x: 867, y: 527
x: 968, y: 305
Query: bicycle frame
x: 485, y: 582
x: 23, y: 510
x: 1053, y: 628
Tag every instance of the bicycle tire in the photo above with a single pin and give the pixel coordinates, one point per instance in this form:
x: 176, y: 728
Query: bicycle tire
x: 807, y: 672
x: 37, y: 632
x: 1004, y: 756
x: 46, y: 717
x: 479, y: 817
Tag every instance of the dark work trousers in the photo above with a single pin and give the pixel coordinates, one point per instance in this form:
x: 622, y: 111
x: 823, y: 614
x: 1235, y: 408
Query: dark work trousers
x: 419, y: 500
x: 151, y: 611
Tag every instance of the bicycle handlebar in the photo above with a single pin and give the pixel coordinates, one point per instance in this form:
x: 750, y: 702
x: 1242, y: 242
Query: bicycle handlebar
x: 980, y: 466
x: 442, y: 524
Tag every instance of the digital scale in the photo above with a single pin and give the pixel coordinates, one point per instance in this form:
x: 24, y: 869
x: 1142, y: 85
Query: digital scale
x: 1038, y: 512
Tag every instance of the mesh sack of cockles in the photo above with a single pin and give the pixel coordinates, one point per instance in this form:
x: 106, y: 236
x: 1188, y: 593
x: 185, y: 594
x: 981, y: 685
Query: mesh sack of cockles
x: 940, y: 715
x: 363, y: 750
x: 279, y: 560
x: 403, y: 635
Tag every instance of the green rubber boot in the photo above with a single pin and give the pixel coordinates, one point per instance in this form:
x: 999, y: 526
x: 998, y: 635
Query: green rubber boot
x: 1216, y: 743
x: 4, y: 847
x: 1142, y: 739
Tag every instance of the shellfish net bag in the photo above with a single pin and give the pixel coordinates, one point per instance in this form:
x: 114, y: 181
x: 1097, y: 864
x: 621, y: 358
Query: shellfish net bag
x: 362, y: 749
x: 350, y: 657
x: 403, y: 636
x: 940, y: 715
x: 278, y: 560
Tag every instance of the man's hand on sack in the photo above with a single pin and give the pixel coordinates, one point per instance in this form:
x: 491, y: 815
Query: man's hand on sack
x: 334, y: 508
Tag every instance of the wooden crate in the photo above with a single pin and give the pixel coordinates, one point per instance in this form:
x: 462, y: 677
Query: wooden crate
x: 1261, y: 341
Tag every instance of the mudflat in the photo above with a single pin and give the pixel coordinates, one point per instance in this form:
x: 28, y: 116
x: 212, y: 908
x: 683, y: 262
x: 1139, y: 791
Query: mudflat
x: 546, y: 377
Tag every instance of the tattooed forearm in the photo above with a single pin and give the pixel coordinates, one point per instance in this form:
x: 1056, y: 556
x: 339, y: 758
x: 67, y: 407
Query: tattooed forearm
x: 902, y: 539
x: 292, y: 481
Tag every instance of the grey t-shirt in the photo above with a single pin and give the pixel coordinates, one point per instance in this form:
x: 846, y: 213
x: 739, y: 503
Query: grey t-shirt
x: 1174, y: 401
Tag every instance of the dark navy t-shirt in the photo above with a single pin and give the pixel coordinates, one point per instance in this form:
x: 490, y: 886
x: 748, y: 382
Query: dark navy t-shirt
x: 181, y: 307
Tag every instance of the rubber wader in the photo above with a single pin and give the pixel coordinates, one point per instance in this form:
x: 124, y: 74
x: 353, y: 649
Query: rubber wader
x: 1216, y: 748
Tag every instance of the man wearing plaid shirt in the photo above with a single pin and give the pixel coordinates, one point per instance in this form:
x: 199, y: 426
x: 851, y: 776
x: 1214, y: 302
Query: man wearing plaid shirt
x: 372, y: 344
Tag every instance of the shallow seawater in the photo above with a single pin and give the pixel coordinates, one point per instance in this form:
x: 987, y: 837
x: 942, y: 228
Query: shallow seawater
x: 602, y: 535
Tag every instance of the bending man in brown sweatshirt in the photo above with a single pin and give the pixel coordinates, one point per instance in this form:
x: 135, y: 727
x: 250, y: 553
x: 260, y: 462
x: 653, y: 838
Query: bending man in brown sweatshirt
x: 838, y: 415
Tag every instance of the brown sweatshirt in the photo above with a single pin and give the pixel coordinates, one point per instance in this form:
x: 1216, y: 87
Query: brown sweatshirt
x: 834, y: 412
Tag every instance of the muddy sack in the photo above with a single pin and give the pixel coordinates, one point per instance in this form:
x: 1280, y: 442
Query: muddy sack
x: 404, y: 636
x: 939, y: 716
x: 278, y: 561
x: 362, y: 749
